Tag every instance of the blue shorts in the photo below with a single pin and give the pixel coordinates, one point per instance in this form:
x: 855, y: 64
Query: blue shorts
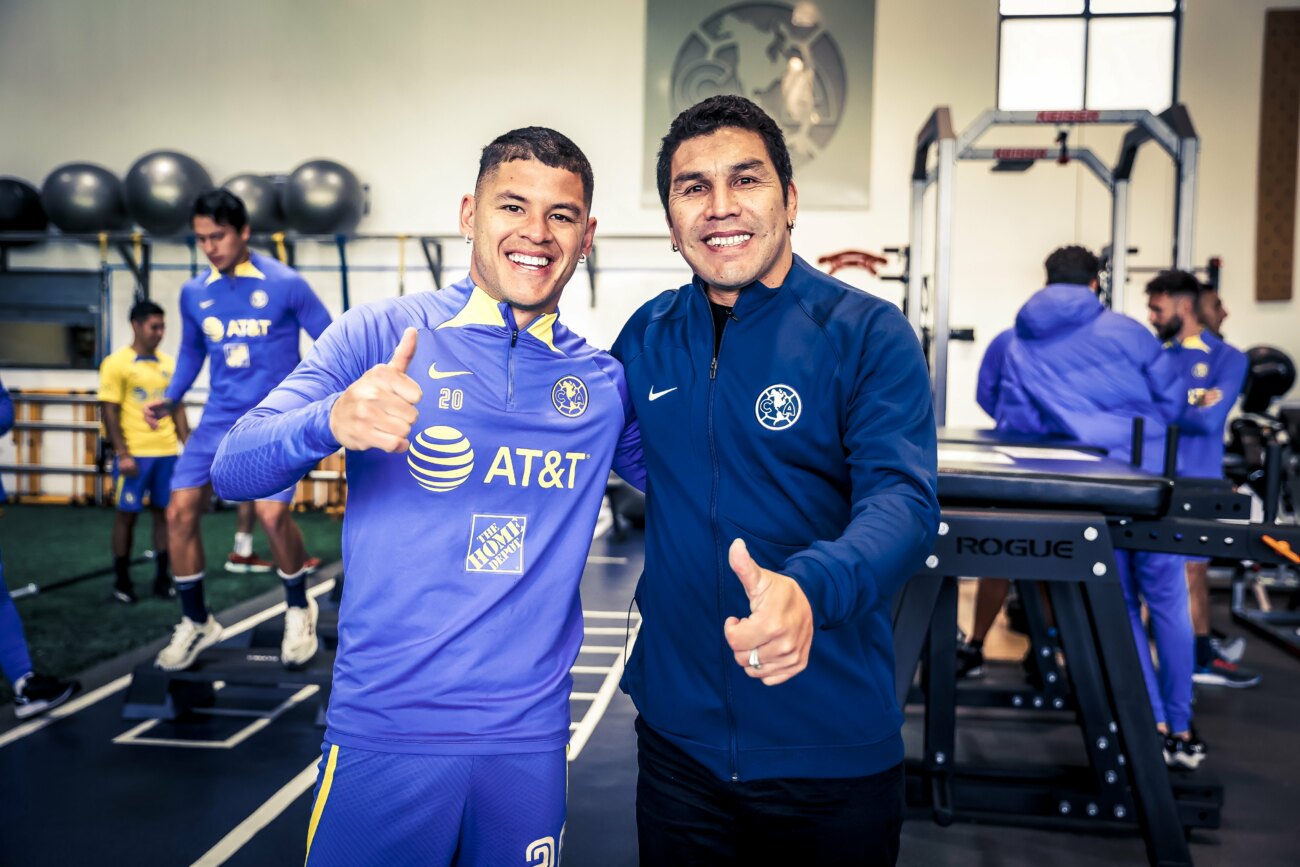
x: 194, y: 469
x: 152, y: 481
x: 402, y: 808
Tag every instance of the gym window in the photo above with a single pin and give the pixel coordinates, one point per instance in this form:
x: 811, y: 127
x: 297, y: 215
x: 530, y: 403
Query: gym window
x: 1088, y: 54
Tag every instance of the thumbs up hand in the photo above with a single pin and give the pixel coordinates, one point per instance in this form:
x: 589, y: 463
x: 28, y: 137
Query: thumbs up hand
x: 377, y: 411
x: 778, y: 633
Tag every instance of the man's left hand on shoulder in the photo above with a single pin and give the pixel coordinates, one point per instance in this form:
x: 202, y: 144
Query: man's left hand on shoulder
x: 778, y: 633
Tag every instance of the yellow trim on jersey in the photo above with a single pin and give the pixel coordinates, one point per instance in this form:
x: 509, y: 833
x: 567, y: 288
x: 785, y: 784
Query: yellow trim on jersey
x: 480, y: 309
x: 1195, y: 342
x: 243, y: 269
x: 543, y: 328
x: 322, y: 797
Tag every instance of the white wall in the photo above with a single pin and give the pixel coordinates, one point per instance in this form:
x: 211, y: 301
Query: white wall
x: 406, y: 92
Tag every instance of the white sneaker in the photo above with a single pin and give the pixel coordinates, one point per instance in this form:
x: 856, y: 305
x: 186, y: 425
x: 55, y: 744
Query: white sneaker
x: 189, y: 639
x: 300, y: 643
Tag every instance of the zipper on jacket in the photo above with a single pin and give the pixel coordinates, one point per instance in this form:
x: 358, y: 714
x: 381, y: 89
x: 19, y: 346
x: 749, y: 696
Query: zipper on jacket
x: 720, y: 570
x: 510, y: 358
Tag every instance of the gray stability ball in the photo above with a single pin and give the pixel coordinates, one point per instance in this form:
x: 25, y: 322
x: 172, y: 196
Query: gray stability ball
x: 20, y: 207
x: 84, y: 197
x: 261, y: 196
x: 160, y: 191
x: 322, y: 197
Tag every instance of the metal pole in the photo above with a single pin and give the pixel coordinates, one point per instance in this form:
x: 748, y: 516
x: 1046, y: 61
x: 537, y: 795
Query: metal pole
x: 1185, y: 203
x: 944, y: 172
x: 1118, y: 243
x: 915, y: 250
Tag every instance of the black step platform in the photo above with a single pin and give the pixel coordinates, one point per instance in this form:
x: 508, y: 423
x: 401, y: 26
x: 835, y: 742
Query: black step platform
x: 158, y: 694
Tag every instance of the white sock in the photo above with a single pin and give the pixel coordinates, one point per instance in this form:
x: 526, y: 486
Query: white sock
x: 21, y: 683
x: 244, y: 544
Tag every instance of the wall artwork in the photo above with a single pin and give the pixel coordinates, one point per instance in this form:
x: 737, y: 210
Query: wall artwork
x: 808, y: 64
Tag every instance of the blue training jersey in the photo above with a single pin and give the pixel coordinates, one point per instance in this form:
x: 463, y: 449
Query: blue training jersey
x: 247, y: 325
x: 460, y: 616
x: 1214, y: 373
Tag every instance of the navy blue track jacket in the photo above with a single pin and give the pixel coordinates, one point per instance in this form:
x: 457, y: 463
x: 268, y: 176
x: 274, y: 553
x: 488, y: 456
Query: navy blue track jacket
x: 812, y: 438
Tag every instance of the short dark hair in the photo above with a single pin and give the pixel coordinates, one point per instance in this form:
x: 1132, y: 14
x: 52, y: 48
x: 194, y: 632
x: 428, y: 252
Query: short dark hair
x: 548, y: 147
x: 713, y: 114
x: 1072, y: 264
x: 143, y: 309
x: 223, y: 207
x: 1175, y: 283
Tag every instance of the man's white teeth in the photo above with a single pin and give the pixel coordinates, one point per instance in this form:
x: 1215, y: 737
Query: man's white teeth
x: 728, y: 240
x: 534, y: 261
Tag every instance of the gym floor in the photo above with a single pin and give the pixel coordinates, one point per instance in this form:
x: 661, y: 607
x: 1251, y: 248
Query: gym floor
x: 91, y: 785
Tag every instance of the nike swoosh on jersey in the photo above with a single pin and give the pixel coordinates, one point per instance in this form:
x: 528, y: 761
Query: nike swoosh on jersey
x: 434, y: 373
x: 655, y: 395
x: 204, y: 305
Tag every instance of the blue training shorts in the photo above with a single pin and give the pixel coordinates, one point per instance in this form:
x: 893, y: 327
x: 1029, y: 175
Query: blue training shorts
x: 152, y: 481
x: 402, y: 808
x: 194, y: 468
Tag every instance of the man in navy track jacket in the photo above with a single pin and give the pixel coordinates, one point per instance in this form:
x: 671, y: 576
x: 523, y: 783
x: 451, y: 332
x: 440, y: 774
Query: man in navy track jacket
x: 789, y: 439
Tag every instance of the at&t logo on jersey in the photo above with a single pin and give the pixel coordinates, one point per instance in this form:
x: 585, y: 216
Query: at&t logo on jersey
x: 570, y: 396
x: 778, y: 407
x: 440, y: 458
x: 521, y: 467
x: 496, y: 544
x: 216, y: 330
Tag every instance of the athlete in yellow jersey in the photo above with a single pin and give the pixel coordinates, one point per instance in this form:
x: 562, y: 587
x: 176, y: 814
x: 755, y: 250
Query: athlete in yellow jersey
x: 144, y: 457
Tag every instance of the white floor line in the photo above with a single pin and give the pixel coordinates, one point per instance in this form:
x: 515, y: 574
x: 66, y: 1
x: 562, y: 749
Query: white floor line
x: 260, y: 818
x: 611, y: 615
x: 597, y: 710
x: 85, y: 701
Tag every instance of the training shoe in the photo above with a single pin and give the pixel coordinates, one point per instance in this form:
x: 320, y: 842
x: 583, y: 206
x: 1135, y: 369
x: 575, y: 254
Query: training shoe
x: 970, y: 661
x: 40, y: 693
x: 125, y: 594
x: 1230, y: 650
x: 1220, y: 672
x: 299, y: 644
x: 189, y: 639
x: 163, y: 588
x: 252, y: 563
x: 1185, y: 754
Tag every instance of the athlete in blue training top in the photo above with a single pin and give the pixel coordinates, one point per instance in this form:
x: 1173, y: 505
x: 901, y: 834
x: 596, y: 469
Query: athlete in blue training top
x: 33, y: 692
x: 1077, y: 370
x: 1213, y: 373
x: 243, y: 316
x: 480, y: 432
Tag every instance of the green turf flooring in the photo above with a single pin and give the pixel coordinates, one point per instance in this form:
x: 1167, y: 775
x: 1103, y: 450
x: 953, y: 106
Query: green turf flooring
x: 72, y: 628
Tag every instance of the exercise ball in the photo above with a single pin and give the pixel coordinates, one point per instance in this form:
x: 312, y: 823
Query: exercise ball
x: 160, y: 191
x: 1271, y: 375
x: 84, y: 197
x: 261, y: 196
x: 322, y: 197
x: 20, y: 207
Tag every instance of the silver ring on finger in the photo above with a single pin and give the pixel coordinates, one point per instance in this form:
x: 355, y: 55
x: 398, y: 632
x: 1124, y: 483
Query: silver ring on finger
x: 754, y: 661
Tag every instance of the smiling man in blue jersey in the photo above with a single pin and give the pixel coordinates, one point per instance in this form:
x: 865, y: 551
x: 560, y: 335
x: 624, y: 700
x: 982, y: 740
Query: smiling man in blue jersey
x: 791, y: 459
x: 479, y: 434
x: 1214, y: 374
x: 243, y: 317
